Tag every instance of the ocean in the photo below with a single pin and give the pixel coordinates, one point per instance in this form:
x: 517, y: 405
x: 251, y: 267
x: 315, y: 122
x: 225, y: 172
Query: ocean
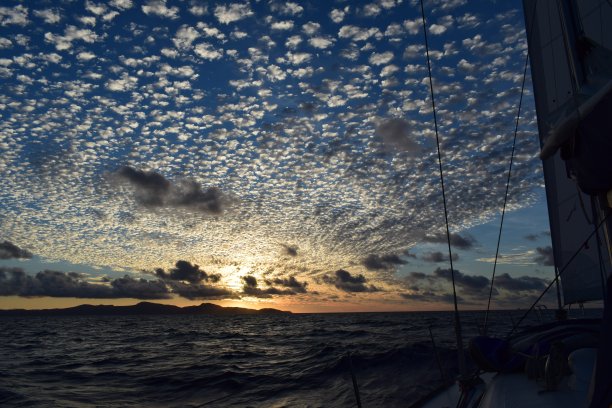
x: 299, y: 360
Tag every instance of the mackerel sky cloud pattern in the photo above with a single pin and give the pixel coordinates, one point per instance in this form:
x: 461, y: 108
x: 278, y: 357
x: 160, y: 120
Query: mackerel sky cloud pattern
x: 271, y: 126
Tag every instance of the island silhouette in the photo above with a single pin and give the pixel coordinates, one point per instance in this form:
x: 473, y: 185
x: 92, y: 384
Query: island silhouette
x: 142, y: 308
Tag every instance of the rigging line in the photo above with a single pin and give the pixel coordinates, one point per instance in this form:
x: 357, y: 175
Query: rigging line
x: 558, y: 275
x: 461, y: 355
x: 501, y: 224
x: 529, y: 31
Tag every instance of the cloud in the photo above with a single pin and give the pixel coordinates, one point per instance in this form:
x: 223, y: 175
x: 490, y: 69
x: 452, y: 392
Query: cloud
x: 545, y: 256
x: 429, y: 296
x: 381, y: 58
x: 291, y: 282
x: 71, y: 34
x: 15, y: 282
x: 346, y: 282
x: 377, y: 262
x: 438, y: 256
x: 291, y: 250
x: 523, y: 283
x: 17, y: 15
x: 8, y: 250
x: 201, y: 291
x: 186, y: 271
x: 154, y: 190
x: 474, y: 284
x: 457, y: 241
x: 49, y: 16
x: 232, y: 13
x: 437, y: 29
x: 396, y: 136
x: 251, y: 288
x: 159, y: 8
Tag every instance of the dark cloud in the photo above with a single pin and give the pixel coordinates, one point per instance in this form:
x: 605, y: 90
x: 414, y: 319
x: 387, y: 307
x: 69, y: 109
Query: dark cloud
x: 417, y: 275
x: 186, y: 271
x: 15, y: 282
x: 531, y: 237
x: 384, y: 262
x: 458, y: 241
x: 151, y: 187
x: 201, y: 291
x: 523, y: 283
x: 397, y: 136
x: 343, y: 280
x: 251, y: 288
x: 291, y: 250
x: 429, y: 296
x: 129, y: 287
x: 8, y: 250
x: 474, y: 284
x: 154, y: 190
x: 438, y: 257
x: 291, y: 282
x: 545, y: 256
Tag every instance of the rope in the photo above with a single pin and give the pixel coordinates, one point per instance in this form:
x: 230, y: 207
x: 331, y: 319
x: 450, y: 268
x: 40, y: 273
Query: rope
x: 559, y: 274
x: 450, y: 254
x: 501, y: 224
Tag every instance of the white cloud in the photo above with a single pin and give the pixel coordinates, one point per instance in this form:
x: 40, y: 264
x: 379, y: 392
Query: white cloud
x: 293, y: 41
x: 184, y: 37
x: 437, y: 29
x: 159, y: 8
x: 17, y: 15
x: 311, y: 28
x: 381, y: 58
x: 289, y: 8
x: 321, y: 42
x: 94, y: 8
x: 389, y: 70
x: 5, y: 43
x: 358, y: 33
x: 49, y: 16
x: 337, y: 15
x: 275, y: 73
x: 466, y: 66
x: 298, y: 57
x: 123, y: 84
x: 413, y: 26
x: 232, y: 13
x: 122, y: 4
x: 371, y: 10
x: 71, y: 33
x: 198, y: 10
x: 282, y: 25
x: 86, y: 56
x: 207, y: 51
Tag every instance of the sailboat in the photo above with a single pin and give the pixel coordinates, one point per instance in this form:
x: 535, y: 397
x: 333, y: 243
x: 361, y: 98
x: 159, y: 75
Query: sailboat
x: 568, y: 362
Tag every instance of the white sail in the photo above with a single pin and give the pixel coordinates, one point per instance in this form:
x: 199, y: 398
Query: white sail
x: 560, y: 85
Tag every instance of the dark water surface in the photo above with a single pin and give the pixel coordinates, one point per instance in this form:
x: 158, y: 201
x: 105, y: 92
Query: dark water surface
x: 240, y: 361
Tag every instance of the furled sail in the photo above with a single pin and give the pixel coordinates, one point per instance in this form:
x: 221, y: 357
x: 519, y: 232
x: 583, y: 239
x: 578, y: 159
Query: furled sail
x: 572, y: 84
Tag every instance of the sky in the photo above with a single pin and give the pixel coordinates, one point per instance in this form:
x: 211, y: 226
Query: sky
x: 266, y: 154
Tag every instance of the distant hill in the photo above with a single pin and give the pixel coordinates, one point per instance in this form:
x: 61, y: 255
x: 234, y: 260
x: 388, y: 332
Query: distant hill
x: 143, y: 308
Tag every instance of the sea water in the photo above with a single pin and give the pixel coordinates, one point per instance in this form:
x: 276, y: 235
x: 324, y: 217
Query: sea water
x: 299, y: 360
